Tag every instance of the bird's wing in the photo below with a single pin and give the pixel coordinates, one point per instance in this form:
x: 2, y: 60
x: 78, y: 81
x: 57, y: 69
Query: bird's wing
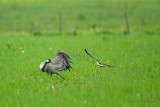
x: 67, y: 65
x: 91, y: 55
x: 99, y: 63
x: 65, y: 59
x: 107, y: 65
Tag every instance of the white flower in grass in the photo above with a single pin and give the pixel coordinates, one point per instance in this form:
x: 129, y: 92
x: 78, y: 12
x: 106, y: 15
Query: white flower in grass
x: 138, y: 94
x: 50, y: 49
x: 22, y: 51
x: 52, y: 87
x: 20, y: 48
x: 85, y: 101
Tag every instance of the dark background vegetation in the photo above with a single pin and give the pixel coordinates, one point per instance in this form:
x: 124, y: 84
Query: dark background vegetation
x: 79, y: 16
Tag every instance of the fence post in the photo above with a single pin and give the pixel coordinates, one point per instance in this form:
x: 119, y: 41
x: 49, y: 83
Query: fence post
x: 60, y: 23
x: 73, y: 30
x: 100, y: 24
x: 47, y: 26
x: 127, y: 23
x: 73, y: 27
x: 142, y: 20
x: 21, y: 30
x: 31, y: 28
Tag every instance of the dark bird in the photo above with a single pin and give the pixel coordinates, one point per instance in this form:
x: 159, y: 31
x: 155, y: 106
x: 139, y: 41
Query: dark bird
x: 59, y: 63
x: 97, y: 61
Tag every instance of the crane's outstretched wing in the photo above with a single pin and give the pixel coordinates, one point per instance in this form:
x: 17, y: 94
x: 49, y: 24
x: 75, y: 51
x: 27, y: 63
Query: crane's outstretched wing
x: 91, y: 55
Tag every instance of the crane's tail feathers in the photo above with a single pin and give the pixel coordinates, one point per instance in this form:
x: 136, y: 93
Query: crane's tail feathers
x: 65, y: 58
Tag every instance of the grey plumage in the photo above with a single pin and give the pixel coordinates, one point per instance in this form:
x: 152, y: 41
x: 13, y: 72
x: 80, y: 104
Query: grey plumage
x: 59, y: 63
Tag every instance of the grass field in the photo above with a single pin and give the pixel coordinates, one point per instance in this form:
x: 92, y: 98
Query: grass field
x: 134, y: 82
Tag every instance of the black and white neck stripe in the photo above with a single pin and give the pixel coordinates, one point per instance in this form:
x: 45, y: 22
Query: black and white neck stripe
x: 43, y: 68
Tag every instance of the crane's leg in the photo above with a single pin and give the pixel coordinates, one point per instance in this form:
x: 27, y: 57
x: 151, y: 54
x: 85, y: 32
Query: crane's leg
x: 60, y: 75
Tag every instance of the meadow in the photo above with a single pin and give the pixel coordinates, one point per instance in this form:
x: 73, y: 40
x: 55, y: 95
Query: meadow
x: 17, y: 15
x: 133, y: 82
x: 29, y: 35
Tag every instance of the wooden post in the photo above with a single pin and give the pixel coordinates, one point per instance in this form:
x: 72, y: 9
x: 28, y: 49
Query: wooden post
x: 127, y: 23
x: 142, y: 20
x: 47, y: 26
x: 73, y: 27
x: 60, y: 23
x: 100, y: 24
x: 20, y: 30
x: 73, y: 30
x: 31, y: 28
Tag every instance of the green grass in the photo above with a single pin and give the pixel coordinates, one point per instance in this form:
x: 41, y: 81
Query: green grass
x: 134, y: 82
x: 17, y: 15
